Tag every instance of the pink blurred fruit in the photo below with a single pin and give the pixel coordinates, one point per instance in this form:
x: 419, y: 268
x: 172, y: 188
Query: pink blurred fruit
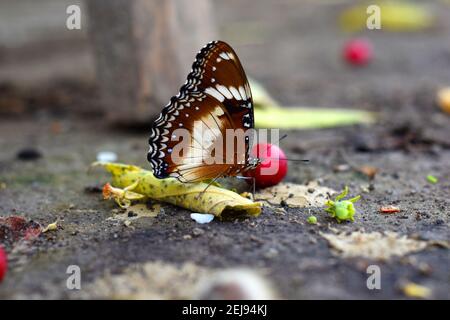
x: 3, y: 263
x: 273, y: 167
x: 358, y: 52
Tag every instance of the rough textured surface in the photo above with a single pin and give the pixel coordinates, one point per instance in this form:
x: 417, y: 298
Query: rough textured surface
x: 296, y: 56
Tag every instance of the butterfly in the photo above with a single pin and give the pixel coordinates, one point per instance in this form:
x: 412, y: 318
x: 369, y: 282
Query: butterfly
x: 217, y: 96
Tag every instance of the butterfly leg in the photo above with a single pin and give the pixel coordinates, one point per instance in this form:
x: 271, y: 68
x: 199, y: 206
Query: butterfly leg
x: 211, y: 182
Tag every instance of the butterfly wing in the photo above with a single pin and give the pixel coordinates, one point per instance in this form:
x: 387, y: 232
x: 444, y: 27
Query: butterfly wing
x: 217, y: 96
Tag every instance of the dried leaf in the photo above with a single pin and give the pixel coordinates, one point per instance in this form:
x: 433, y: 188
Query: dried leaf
x: 373, y: 245
x: 368, y: 171
x: 136, y: 211
x: 296, y: 195
x: 134, y: 183
x: 16, y: 228
x: 390, y: 209
x: 51, y: 227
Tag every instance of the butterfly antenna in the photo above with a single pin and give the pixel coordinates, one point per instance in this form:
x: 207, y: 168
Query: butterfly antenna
x: 296, y: 160
x: 287, y: 159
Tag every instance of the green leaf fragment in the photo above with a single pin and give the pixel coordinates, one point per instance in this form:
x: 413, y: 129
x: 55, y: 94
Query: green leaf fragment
x: 312, y: 220
x: 432, y: 179
x: 342, y: 210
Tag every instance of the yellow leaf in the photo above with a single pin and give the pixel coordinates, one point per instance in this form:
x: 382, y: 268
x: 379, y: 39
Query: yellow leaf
x: 269, y: 114
x: 443, y: 99
x: 134, y: 183
x: 395, y: 16
x: 414, y: 290
x: 51, y: 227
x: 309, y: 118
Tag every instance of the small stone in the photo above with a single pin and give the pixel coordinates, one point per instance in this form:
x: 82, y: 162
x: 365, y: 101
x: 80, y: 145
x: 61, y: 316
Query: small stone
x: 187, y: 237
x: 106, y: 156
x: 202, y: 217
x: 132, y: 214
x: 28, y: 154
x: 341, y: 168
x: 271, y: 253
x: 197, y: 232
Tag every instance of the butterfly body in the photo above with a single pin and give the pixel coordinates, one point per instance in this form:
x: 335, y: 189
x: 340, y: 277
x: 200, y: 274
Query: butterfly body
x: 214, y: 103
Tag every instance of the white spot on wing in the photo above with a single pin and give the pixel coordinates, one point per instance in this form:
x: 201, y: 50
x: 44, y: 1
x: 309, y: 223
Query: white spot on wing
x: 242, y: 92
x: 235, y: 93
x: 247, y: 90
x: 223, y: 90
x: 214, y: 93
x: 224, y: 56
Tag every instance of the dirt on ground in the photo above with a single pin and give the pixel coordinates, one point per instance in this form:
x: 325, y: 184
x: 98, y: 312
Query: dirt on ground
x: 49, y: 136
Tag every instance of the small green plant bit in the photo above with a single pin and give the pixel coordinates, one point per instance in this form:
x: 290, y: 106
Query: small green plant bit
x: 342, y: 210
x: 432, y: 179
x: 312, y: 220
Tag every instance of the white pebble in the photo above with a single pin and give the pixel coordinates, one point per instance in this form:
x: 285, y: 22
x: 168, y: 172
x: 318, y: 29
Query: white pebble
x: 106, y: 156
x: 202, y: 217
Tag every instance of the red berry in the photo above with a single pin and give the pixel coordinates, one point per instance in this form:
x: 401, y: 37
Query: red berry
x: 3, y: 263
x: 273, y: 166
x: 358, y: 51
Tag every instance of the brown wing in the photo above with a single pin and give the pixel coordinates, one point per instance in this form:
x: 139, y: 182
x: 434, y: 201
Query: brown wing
x: 215, y: 97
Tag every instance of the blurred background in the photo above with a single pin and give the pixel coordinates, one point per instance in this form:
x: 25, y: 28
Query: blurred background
x: 294, y: 48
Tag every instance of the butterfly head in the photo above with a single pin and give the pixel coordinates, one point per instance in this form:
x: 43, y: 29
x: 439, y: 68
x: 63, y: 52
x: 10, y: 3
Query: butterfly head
x: 252, y: 163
